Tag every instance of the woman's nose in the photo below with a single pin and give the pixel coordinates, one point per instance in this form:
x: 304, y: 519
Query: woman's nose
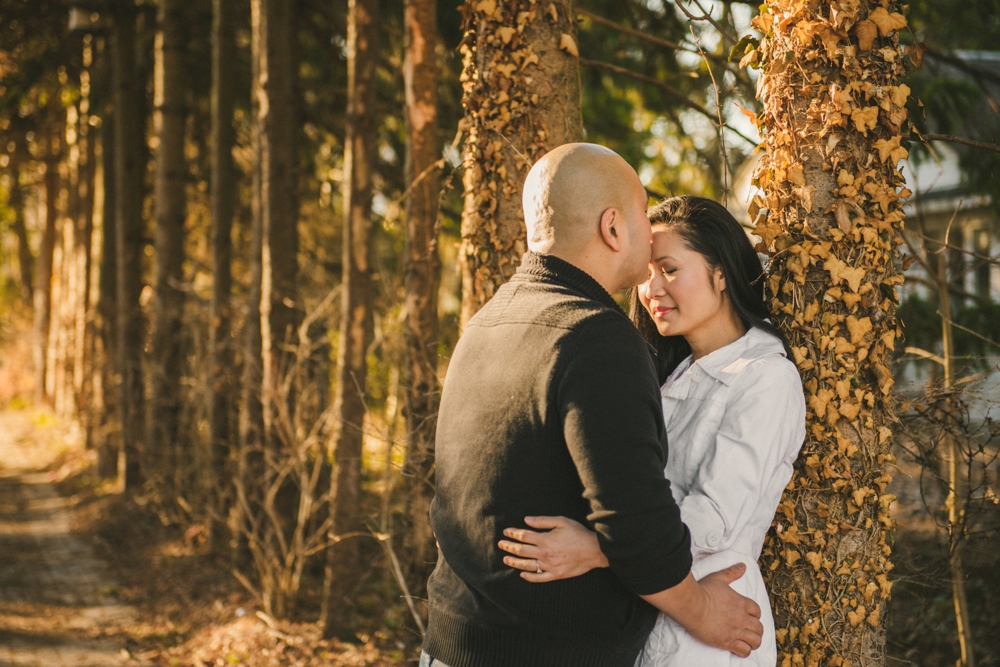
x: 656, y: 285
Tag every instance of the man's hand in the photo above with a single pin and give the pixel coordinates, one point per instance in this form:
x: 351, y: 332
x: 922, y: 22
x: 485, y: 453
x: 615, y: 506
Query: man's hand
x: 712, y: 612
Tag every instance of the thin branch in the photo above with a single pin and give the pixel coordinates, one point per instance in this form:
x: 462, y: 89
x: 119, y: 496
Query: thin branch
x: 925, y: 138
x: 636, y: 33
x: 665, y: 87
x: 924, y: 354
x: 990, y: 260
x: 970, y: 331
x: 705, y: 16
x: 722, y: 123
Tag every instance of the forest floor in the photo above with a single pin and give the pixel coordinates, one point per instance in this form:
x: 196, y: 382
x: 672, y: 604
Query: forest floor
x: 88, y: 579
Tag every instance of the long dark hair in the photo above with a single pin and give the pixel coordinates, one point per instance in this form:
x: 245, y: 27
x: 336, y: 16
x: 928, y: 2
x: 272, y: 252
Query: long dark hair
x: 711, y: 231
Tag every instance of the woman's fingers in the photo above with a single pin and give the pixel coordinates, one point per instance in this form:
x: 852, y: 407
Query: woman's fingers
x: 536, y: 578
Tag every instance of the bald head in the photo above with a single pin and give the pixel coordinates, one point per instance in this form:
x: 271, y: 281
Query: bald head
x: 568, y: 190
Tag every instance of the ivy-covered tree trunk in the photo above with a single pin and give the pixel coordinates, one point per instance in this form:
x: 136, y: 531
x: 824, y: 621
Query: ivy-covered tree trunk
x: 423, y: 278
x: 833, y: 111
x: 521, y: 94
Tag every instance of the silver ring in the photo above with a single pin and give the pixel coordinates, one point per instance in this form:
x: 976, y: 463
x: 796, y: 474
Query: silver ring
x: 538, y: 567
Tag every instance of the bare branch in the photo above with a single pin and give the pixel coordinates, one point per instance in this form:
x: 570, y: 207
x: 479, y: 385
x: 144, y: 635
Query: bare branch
x: 925, y: 138
x: 638, y: 33
x: 665, y: 87
x: 705, y: 16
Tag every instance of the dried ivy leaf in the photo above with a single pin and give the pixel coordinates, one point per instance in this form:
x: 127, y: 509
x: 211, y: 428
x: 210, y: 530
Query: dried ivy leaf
x: 866, y: 32
x: 887, y: 22
x: 568, y: 44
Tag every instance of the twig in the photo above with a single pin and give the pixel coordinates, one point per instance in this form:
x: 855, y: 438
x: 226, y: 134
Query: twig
x: 665, y: 87
x: 985, y: 258
x: 635, y: 33
x: 924, y: 354
x: 385, y: 539
x: 705, y: 16
x: 926, y: 138
x: 970, y: 331
x: 722, y: 124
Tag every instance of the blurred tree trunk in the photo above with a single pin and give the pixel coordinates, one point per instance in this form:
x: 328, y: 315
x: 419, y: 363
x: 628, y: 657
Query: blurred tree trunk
x: 833, y: 109
x: 223, y: 201
x: 46, y: 250
x: 128, y: 145
x: 521, y: 99
x: 107, y: 292
x: 251, y: 467
x: 15, y: 201
x: 423, y: 278
x: 280, y: 310
x: 83, y: 353
x: 356, y: 325
x: 162, y: 438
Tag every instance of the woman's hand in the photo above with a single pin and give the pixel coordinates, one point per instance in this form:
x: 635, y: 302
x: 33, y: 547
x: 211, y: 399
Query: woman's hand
x: 567, y: 549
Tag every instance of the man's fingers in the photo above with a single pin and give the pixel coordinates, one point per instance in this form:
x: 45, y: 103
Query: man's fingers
x: 741, y: 649
x: 753, y: 609
x: 545, y: 522
x: 521, y: 535
x: 751, y: 638
x: 731, y: 573
x: 526, y: 564
x: 518, y: 549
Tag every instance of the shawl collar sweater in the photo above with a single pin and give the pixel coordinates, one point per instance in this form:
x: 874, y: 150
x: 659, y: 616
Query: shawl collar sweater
x: 551, y: 406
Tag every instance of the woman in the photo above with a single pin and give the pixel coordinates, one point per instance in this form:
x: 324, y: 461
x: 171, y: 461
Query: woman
x: 734, y: 411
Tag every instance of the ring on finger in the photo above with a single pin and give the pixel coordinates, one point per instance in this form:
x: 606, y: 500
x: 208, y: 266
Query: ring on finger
x: 538, y: 567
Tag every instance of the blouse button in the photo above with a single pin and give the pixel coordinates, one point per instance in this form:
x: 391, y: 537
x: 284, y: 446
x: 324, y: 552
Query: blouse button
x: 712, y: 539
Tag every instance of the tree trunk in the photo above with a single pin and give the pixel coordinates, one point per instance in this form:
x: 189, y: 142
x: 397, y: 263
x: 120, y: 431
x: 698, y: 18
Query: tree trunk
x: 83, y: 354
x: 833, y: 107
x: 251, y: 468
x: 281, y: 311
x: 222, y: 203
x: 356, y: 326
x: 25, y: 260
x: 955, y: 500
x: 162, y: 438
x: 46, y: 250
x: 107, y: 293
x: 521, y: 84
x: 129, y: 139
x: 423, y: 278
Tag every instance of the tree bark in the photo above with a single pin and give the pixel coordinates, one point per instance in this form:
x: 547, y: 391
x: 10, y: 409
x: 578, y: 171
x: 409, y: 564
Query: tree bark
x: 129, y: 139
x: 521, y: 99
x: 222, y: 202
x: 162, y: 438
x: 46, y: 250
x: 251, y: 468
x: 833, y: 107
x: 25, y: 260
x: 356, y: 328
x: 107, y: 293
x: 423, y: 279
x: 280, y: 310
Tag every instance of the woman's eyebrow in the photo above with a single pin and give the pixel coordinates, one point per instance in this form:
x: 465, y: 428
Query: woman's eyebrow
x: 660, y: 259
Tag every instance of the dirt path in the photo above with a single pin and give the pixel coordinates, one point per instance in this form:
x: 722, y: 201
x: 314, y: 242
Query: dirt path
x: 55, y: 610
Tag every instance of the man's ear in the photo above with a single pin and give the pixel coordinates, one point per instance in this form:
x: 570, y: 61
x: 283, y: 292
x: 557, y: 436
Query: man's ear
x: 610, y: 220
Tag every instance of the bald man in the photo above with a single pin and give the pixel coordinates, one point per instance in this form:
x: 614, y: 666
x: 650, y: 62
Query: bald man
x: 551, y: 406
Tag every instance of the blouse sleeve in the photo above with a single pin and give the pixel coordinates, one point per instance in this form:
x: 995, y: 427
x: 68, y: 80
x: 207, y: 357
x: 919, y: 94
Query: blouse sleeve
x: 760, y: 434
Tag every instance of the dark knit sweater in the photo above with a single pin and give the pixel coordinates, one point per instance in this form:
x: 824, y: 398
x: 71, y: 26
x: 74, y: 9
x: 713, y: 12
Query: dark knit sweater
x: 551, y: 406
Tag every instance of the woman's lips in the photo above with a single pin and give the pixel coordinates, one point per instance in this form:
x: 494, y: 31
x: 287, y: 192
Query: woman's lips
x: 662, y: 311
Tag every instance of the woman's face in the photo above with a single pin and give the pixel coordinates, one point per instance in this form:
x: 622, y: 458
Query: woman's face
x: 682, y: 293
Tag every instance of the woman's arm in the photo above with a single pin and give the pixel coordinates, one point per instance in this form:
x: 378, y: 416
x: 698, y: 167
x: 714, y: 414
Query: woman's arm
x: 566, y: 549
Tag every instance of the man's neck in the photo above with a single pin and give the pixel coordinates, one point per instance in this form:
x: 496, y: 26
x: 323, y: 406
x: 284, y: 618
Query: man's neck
x: 594, y: 264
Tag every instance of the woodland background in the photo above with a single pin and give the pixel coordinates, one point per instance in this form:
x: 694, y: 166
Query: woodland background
x: 239, y: 239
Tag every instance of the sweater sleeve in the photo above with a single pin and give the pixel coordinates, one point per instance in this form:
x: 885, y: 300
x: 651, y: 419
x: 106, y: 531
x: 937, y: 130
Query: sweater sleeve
x: 609, y: 404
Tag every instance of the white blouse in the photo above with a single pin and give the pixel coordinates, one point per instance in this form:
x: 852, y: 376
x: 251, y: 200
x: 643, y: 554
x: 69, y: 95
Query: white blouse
x: 735, y: 423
